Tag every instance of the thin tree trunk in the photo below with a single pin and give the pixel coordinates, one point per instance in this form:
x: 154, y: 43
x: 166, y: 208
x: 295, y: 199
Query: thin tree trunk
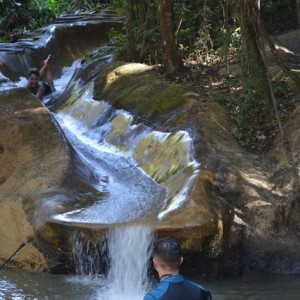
x: 248, y: 15
x: 172, y: 60
x: 130, y: 53
x: 226, y: 27
x: 143, y: 24
x: 214, y: 7
x: 298, y: 11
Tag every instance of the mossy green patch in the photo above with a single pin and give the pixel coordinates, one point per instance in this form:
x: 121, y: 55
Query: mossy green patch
x: 219, y: 114
x: 161, y: 158
x: 120, y: 126
x: 137, y: 88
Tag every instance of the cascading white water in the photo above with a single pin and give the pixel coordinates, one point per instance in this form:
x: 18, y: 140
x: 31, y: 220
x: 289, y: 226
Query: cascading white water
x: 88, y: 256
x: 106, y: 144
x: 129, y: 249
x: 128, y: 254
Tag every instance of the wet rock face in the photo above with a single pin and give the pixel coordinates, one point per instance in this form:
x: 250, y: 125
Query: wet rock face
x: 257, y: 192
x: 68, y: 39
x: 34, y: 165
x: 33, y: 162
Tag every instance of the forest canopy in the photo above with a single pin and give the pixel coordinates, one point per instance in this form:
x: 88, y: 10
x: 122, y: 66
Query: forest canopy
x: 192, y: 41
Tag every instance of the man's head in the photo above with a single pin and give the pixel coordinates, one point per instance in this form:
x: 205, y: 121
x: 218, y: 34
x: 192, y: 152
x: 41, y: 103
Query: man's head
x: 33, y: 77
x: 167, y: 255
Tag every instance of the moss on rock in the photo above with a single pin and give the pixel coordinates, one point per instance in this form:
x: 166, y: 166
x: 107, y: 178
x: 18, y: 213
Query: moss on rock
x: 139, y: 89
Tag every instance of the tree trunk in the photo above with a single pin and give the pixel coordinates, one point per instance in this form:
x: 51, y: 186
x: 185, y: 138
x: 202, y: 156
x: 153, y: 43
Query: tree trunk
x: 143, y: 25
x: 172, y: 61
x: 130, y: 49
x: 253, y: 41
x: 215, y: 11
x: 298, y: 11
x: 258, y: 4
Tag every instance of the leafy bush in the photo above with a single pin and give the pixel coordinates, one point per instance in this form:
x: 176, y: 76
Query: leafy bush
x: 16, y: 17
x: 279, y: 15
x: 117, y: 6
x: 19, y: 16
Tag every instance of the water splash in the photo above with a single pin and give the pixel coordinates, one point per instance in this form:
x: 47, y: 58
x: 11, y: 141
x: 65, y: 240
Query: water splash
x: 97, y: 130
x: 130, y: 249
x: 89, y: 257
x: 126, y: 251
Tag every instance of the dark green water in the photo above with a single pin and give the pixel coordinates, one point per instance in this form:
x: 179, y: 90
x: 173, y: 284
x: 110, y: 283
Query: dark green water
x: 17, y: 284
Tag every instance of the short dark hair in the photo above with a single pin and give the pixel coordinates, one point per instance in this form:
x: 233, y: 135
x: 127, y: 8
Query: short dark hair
x: 168, y: 251
x: 34, y: 71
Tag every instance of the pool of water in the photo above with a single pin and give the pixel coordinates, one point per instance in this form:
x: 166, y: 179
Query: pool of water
x: 18, y: 284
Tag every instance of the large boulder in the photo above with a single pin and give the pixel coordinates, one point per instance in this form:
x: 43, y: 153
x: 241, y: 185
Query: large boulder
x: 33, y: 163
x: 253, y: 200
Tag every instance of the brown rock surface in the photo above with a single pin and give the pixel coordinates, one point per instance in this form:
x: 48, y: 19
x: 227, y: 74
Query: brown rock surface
x: 33, y: 162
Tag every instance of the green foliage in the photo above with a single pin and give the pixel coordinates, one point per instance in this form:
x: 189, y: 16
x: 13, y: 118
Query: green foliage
x: 193, y: 31
x: 255, y: 94
x: 279, y: 15
x: 56, y: 7
x: 15, y: 17
x: 119, y: 40
x: 118, y: 6
x: 250, y: 110
x: 19, y: 16
x: 253, y: 99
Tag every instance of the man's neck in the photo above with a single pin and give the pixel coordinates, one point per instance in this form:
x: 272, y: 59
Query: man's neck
x: 165, y: 273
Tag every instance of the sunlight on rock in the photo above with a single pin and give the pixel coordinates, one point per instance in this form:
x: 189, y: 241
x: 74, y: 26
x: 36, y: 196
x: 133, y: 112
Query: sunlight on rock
x: 279, y: 47
x: 124, y: 70
x: 162, y: 156
x: 28, y: 112
x: 257, y: 181
x: 239, y: 221
x: 258, y: 203
x: 119, y: 127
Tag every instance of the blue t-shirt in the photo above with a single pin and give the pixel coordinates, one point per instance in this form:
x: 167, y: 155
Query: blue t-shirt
x: 175, y: 287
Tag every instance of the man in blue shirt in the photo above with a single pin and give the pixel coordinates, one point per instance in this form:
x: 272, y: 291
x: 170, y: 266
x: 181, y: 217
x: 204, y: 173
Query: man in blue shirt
x: 166, y: 260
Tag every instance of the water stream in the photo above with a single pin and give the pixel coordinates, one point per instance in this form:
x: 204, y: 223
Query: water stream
x: 104, y: 141
x: 126, y: 194
x: 126, y: 251
x: 127, y: 275
x: 20, y: 284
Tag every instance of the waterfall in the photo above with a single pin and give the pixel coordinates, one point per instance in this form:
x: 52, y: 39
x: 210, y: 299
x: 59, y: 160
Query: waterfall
x: 127, y: 252
x: 88, y: 257
x: 146, y: 174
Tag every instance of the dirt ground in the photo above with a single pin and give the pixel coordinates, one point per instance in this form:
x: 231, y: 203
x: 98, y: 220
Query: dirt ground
x: 256, y: 128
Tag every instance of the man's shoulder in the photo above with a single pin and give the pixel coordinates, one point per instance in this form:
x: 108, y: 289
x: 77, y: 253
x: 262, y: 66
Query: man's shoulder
x: 206, y: 293
x: 194, y: 284
x: 157, y: 292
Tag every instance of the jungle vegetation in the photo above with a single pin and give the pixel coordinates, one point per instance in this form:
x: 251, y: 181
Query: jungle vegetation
x: 215, y: 46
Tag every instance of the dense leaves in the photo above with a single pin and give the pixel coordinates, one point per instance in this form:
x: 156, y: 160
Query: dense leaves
x: 210, y: 35
x: 279, y: 15
x: 18, y: 16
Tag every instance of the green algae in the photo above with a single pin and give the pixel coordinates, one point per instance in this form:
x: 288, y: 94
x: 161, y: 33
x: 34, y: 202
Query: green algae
x: 138, y: 88
x: 161, y: 158
x: 119, y: 127
x: 217, y: 111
